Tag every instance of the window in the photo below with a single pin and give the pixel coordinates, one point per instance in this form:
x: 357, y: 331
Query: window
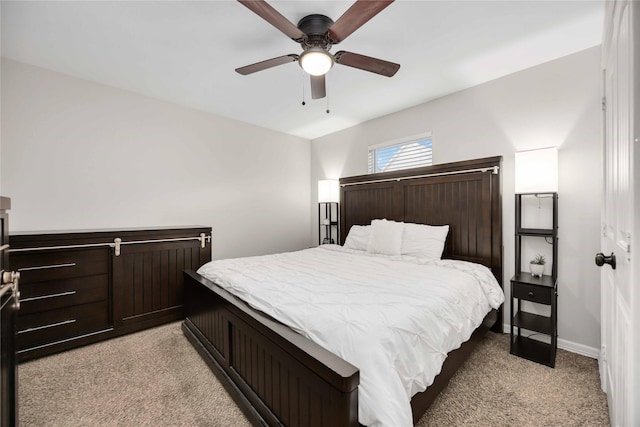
x: 404, y: 154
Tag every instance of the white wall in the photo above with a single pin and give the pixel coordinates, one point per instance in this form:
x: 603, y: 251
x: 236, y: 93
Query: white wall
x: 1, y: 105
x: 553, y: 104
x: 76, y: 155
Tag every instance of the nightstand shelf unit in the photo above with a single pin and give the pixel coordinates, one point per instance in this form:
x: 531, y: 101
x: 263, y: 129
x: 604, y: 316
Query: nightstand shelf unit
x: 329, y: 224
x: 536, y: 292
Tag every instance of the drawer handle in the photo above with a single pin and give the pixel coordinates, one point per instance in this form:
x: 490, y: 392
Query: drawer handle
x: 530, y: 293
x: 46, y: 267
x: 51, y: 325
x: 61, y: 294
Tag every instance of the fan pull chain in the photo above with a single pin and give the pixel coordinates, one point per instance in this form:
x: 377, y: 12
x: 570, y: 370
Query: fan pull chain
x: 326, y: 95
x: 302, y: 80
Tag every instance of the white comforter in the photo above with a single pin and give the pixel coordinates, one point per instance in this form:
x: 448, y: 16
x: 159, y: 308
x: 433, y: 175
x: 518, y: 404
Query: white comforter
x: 395, y: 318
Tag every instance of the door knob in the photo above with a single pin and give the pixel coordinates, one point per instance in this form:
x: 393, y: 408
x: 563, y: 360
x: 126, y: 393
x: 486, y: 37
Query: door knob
x: 601, y: 260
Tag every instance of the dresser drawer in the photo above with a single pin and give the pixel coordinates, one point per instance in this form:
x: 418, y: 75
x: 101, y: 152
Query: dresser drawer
x: 42, y: 296
x: 539, y: 294
x: 38, y: 266
x: 55, y: 325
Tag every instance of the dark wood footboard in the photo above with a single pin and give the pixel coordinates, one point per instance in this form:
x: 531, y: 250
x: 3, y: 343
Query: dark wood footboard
x: 279, y: 377
x: 276, y: 375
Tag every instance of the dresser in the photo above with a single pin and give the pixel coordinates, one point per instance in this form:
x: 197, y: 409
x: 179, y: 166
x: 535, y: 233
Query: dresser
x: 80, y: 287
x: 9, y: 292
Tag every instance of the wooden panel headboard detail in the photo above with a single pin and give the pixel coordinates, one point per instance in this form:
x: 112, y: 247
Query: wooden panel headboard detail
x: 465, y: 195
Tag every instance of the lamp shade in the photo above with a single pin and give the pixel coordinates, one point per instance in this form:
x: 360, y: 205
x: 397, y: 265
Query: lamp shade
x: 537, y: 171
x: 328, y: 191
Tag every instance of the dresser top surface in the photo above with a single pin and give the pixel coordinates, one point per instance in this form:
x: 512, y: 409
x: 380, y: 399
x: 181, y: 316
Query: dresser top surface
x: 107, y: 230
x: 20, y: 240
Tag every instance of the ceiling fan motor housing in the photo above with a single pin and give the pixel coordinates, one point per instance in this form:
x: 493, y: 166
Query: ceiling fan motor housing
x: 315, y: 27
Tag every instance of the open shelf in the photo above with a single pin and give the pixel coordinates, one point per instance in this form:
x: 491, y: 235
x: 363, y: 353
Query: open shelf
x: 536, y: 351
x: 529, y: 279
x: 533, y: 322
x: 540, y: 232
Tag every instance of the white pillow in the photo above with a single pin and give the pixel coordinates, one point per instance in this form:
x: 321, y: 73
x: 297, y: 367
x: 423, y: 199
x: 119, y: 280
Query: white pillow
x: 386, y: 237
x: 358, y: 237
x: 424, y: 241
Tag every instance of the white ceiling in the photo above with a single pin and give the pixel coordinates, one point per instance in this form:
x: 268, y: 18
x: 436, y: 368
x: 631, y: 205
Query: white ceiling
x: 186, y: 52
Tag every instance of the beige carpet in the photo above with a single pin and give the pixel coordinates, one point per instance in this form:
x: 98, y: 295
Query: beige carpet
x: 495, y: 388
x: 155, y: 378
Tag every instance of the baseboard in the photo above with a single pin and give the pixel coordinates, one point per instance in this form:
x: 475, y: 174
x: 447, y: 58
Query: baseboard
x: 582, y: 349
x: 571, y: 346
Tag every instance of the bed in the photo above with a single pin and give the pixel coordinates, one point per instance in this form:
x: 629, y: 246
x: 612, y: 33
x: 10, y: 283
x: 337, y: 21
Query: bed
x: 280, y: 377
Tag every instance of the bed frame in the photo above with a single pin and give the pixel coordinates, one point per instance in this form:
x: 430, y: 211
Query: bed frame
x: 279, y: 377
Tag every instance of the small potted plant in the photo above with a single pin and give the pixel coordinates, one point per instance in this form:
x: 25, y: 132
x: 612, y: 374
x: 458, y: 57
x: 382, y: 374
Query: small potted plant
x: 536, y: 265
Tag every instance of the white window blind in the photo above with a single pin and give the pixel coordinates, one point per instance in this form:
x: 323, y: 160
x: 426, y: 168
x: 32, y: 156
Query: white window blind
x: 401, y: 154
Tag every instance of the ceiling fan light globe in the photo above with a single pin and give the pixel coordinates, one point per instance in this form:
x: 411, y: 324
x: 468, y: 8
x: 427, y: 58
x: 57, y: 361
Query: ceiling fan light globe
x: 316, y: 61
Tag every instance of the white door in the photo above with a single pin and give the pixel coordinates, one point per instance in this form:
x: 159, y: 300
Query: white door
x: 620, y: 292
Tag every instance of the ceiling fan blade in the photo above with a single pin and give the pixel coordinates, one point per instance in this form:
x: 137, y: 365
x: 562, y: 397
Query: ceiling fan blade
x: 355, y: 17
x: 318, y: 87
x: 263, y: 65
x: 366, y: 63
x: 273, y: 17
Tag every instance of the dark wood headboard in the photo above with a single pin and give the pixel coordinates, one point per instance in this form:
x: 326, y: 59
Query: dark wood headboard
x: 465, y: 195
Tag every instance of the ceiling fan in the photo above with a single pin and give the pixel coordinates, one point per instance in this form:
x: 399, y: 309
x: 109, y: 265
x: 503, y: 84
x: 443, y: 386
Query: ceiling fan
x: 316, y: 34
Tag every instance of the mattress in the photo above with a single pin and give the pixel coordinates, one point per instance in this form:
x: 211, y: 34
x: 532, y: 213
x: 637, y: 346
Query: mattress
x: 393, y: 317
